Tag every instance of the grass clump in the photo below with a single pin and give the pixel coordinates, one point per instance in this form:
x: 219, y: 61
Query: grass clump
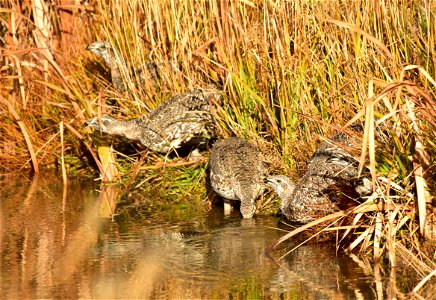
x: 290, y: 71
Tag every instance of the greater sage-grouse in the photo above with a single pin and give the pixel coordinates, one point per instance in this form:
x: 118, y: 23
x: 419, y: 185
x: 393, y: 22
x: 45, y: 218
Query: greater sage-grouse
x: 237, y: 172
x: 169, y: 126
x: 119, y: 69
x: 329, y: 184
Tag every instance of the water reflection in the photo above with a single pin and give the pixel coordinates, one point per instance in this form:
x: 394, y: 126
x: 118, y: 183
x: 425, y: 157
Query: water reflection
x: 79, y: 242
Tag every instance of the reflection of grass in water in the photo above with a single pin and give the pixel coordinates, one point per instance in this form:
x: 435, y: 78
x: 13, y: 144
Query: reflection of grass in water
x: 177, y: 182
x: 249, y: 288
x: 151, y: 204
x: 170, y: 192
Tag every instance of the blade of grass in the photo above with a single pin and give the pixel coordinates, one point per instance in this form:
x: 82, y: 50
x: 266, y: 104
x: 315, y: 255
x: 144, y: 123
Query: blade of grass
x: 377, y: 237
x: 64, y: 171
x: 356, y: 219
x: 424, y: 281
x: 377, y: 42
x: 360, y: 238
x: 24, y: 132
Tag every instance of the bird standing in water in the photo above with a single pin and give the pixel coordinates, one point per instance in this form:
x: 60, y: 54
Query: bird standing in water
x: 237, y: 172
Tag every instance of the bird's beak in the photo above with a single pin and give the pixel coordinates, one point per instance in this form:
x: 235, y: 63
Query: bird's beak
x: 90, y: 47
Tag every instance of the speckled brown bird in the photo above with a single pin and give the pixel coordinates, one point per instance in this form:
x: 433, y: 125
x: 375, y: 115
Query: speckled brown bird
x: 237, y: 172
x: 169, y: 126
x: 150, y: 74
x: 331, y: 177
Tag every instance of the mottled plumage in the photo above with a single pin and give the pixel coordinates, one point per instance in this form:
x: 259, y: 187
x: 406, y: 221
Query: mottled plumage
x: 237, y: 172
x: 119, y: 69
x: 331, y: 173
x: 173, y: 123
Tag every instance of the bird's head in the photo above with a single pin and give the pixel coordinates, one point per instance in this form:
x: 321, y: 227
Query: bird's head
x: 105, y: 124
x: 248, y: 208
x: 282, y: 184
x: 102, y: 49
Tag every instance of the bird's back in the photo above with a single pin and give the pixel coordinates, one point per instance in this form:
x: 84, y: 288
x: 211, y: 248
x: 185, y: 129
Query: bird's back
x: 236, y: 169
x: 315, y: 193
x: 179, y: 119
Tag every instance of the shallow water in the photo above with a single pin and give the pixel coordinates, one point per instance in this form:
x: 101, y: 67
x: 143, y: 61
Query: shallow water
x: 79, y: 242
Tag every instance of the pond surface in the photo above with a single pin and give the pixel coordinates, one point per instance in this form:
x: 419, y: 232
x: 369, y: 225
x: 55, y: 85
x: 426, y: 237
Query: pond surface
x: 77, y: 242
